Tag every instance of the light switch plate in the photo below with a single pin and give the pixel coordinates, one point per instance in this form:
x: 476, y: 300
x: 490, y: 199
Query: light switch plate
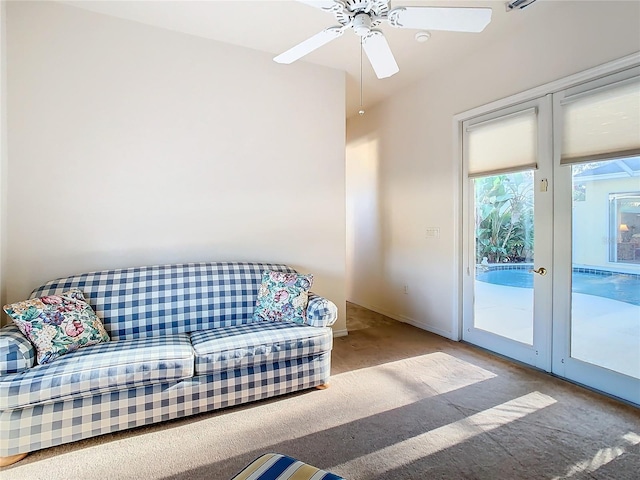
x: 433, y: 232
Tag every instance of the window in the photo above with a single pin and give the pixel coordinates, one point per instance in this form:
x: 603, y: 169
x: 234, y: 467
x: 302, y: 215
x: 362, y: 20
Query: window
x: 624, y: 226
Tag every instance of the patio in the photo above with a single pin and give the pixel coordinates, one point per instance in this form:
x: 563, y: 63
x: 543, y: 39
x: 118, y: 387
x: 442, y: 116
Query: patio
x: 604, y: 332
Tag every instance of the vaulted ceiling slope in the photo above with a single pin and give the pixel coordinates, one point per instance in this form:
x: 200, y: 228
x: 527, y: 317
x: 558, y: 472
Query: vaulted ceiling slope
x: 275, y: 26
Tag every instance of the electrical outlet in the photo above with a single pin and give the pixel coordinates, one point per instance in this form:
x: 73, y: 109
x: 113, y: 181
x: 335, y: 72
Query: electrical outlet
x: 406, y: 289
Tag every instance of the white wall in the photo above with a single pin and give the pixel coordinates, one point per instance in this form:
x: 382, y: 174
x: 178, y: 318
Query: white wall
x: 418, y: 183
x: 3, y: 149
x: 132, y: 145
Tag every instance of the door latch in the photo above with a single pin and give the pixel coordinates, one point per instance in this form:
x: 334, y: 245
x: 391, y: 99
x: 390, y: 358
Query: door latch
x: 544, y: 185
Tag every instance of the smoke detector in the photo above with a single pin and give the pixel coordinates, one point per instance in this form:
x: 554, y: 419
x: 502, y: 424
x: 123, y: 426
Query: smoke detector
x: 422, y: 36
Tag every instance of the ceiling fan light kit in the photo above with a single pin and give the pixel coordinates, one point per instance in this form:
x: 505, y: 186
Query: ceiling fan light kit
x: 363, y: 16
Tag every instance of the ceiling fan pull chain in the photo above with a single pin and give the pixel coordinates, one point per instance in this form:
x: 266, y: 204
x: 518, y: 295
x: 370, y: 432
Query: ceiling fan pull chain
x: 361, y: 111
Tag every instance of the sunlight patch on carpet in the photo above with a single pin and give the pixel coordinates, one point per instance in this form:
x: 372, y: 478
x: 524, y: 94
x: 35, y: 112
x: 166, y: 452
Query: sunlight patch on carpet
x: 421, y: 446
x: 441, y: 372
x: 603, y: 456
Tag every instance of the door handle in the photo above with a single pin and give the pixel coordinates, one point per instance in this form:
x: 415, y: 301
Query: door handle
x: 540, y: 271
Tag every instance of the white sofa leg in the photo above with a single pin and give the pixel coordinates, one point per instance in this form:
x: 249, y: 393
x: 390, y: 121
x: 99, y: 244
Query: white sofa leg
x: 11, y: 459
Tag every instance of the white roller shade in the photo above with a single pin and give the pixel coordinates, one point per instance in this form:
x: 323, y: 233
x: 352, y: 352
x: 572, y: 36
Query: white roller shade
x: 503, y: 144
x: 603, y: 123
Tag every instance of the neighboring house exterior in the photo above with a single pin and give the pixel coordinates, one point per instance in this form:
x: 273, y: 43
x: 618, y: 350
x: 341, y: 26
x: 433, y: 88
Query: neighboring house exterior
x: 607, y: 199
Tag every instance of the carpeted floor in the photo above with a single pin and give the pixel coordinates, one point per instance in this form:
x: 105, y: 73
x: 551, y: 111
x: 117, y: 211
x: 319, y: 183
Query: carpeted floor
x: 403, y: 404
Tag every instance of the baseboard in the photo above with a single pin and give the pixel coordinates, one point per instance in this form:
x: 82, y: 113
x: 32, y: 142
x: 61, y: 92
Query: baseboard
x: 340, y: 333
x: 428, y: 328
x: 404, y: 319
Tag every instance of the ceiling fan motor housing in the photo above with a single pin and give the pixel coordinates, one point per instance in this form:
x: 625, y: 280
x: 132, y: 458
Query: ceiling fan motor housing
x: 362, y: 24
x: 349, y: 10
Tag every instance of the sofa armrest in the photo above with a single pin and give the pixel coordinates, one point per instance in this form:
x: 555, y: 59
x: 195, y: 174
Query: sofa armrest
x: 16, y: 352
x: 320, y: 311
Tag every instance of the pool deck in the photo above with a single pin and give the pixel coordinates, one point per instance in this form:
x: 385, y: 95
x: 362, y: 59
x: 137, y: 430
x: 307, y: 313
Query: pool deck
x: 604, y: 332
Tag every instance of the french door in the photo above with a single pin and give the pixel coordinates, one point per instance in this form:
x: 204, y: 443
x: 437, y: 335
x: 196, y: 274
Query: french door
x: 596, y: 312
x: 508, y: 223
x: 551, y: 258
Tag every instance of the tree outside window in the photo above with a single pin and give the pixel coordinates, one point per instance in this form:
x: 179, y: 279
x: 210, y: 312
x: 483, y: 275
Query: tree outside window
x: 504, y: 218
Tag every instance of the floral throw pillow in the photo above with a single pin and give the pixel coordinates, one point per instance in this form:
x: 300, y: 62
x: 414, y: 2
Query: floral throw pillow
x: 283, y: 297
x: 57, y: 324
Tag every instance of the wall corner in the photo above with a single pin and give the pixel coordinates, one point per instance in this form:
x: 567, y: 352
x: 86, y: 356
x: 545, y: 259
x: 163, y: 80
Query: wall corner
x: 3, y: 154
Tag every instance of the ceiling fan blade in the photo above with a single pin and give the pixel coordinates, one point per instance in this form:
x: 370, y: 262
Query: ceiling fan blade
x: 322, y: 4
x: 309, y: 45
x: 377, y: 49
x: 440, y: 18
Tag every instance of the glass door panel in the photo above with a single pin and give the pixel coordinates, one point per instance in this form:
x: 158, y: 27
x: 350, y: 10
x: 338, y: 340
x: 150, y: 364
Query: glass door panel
x: 605, y: 269
x: 503, y: 303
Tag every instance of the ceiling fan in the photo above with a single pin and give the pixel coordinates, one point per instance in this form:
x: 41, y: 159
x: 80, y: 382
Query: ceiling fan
x: 364, y: 15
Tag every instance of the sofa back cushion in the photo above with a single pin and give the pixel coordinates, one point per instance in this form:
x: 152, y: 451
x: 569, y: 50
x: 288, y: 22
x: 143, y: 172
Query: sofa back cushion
x: 182, y: 298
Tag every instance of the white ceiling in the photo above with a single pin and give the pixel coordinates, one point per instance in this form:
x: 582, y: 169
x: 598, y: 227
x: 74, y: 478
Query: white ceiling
x: 274, y: 26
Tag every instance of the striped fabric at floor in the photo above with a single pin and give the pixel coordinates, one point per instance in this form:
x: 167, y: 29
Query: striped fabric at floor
x: 274, y: 466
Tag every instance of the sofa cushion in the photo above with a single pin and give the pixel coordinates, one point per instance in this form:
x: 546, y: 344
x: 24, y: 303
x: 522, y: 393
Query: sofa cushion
x: 283, y: 297
x: 57, y: 324
x: 108, y: 366
x: 257, y: 343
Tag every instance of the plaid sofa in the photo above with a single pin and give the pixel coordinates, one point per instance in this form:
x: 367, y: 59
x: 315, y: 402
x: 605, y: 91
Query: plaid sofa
x: 183, y: 341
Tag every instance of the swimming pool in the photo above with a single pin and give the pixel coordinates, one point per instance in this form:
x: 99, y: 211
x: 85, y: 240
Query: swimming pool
x: 624, y: 288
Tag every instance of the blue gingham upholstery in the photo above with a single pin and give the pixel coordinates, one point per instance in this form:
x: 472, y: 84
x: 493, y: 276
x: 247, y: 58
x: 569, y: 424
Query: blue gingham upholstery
x: 320, y: 311
x: 16, y: 352
x: 148, y: 301
x: 147, y: 373
x: 42, y: 426
x: 100, y: 368
x: 255, y: 344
